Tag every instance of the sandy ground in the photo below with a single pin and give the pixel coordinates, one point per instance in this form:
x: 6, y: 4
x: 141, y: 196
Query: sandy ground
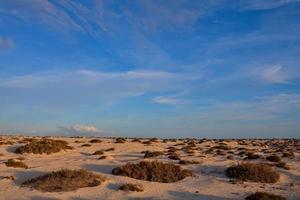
x: 209, y: 182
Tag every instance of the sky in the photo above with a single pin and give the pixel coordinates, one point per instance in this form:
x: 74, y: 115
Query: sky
x: 154, y: 68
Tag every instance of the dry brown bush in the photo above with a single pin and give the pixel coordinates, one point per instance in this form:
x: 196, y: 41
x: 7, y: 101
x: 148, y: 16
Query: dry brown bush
x: 95, y: 141
x: 251, y: 156
x: 64, y: 180
x: 152, y: 154
x: 264, y: 196
x: 136, y: 140
x: 273, y: 158
x: 153, y: 171
x: 99, y: 152
x: 174, y: 156
x: 46, y: 146
x: 16, y: 164
x: 253, y: 172
x: 110, y: 149
x: 288, y: 154
x: 86, y: 145
x: 9, y: 177
x: 186, y: 162
x: 282, y: 165
x: 132, y: 187
x: 102, y: 157
x: 120, y: 140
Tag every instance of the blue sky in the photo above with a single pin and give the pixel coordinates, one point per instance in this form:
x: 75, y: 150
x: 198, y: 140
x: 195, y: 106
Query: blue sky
x: 157, y: 68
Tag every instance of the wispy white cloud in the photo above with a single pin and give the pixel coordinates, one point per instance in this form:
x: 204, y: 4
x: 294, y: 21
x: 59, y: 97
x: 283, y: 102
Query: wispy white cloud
x: 84, y: 85
x: 274, y: 74
x: 168, y: 100
x: 80, y: 130
x: 6, y: 43
x: 266, y: 4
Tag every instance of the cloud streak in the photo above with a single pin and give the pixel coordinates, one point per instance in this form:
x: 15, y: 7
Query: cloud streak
x: 90, y: 86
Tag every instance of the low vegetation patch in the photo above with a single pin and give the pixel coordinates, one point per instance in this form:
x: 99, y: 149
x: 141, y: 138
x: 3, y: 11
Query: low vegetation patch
x: 95, y: 141
x: 100, y: 152
x: 253, y: 172
x: 153, y: 171
x: 132, y: 187
x: 102, y: 157
x: 273, y: 158
x: 186, y: 162
x: 120, y: 140
x: 136, y: 140
x: 110, y: 149
x: 64, y: 180
x: 9, y: 177
x: 252, y: 156
x: 46, y: 146
x: 16, y: 164
x: 86, y: 145
x: 264, y: 196
x: 174, y: 156
x: 152, y: 154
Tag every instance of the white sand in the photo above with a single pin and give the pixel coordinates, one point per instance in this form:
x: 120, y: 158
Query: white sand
x: 209, y: 183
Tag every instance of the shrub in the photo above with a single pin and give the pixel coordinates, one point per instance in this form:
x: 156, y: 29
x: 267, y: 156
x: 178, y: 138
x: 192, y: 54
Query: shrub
x: 273, y: 158
x: 288, y: 154
x: 152, y: 154
x: 174, y: 156
x: 86, y: 145
x: 282, y: 165
x: 64, y: 180
x: 253, y: 172
x: 9, y: 177
x: 120, y: 140
x: 46, y: 146
x: 252, y: 156
x: 95, y: 141
x: 148, y: 142
x: 99, y: 152
x: 110, y: 149
x: 154, y: 140
x: 132, y: 187
x: 136, y: 140
x: 153, y: 171
x: 186, y: 162
x: 102, y: 157
x: 16, y: 164
x: 264, y: 196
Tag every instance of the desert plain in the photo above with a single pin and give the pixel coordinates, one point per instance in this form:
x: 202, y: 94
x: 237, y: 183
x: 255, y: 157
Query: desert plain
x: 195, y: 168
